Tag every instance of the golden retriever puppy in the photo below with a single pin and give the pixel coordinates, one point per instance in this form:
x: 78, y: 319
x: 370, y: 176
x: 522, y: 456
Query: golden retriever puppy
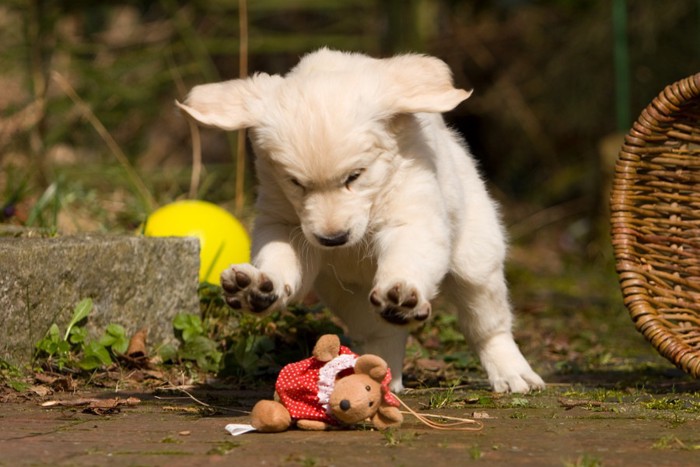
x: 366, y: 197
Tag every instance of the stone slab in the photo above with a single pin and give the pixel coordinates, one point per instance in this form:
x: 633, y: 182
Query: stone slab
x: 133, y: 281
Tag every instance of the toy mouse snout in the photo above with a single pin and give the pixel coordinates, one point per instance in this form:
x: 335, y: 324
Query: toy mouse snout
x: 346, y: 405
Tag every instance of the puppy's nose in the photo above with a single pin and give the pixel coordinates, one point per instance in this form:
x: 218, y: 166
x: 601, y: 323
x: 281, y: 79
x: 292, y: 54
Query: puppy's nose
x: 345, y: 405
x: 334, y: 239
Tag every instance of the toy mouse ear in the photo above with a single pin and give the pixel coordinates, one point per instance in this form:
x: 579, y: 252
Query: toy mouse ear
x: 373, y: 366
x: 327, y: 348
x: 387, y: 417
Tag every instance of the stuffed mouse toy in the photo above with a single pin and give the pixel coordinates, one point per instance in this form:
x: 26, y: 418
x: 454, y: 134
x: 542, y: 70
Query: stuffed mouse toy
x: 334, y: 388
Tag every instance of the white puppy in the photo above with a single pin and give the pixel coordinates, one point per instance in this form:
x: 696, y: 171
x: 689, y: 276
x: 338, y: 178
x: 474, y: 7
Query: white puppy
x: 368, y: 198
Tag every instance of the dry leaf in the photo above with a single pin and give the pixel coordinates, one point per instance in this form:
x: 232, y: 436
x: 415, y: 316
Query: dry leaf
x: 429, y: 364
x: 137, y: 344
x: 41, y: 391
x: 95, y: 406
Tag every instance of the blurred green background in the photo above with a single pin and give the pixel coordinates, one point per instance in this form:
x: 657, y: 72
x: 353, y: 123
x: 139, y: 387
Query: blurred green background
x: 87, y: 91
x: 554, y: 80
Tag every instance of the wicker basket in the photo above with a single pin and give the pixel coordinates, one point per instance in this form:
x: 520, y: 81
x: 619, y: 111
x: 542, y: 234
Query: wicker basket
x: 655, y: 215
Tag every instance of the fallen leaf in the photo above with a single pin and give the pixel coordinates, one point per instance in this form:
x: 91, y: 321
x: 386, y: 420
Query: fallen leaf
x: 95, y: 406
x: 170, y: 408
x: 41, y: 391
x: 56, y: 382
x: 44, y: 378
x: 137, y: 344
x: 481, y: 415
x: 429, y: 364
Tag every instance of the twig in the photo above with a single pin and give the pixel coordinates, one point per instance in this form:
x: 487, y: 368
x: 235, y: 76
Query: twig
x: 194, y: 131
x: 204, y: 404
x: 546, y: 216
x: 243, y: 73
x: 196, y: 158
x: 135, y: 180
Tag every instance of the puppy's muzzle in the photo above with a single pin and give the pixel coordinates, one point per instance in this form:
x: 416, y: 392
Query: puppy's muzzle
x: 334, y: 239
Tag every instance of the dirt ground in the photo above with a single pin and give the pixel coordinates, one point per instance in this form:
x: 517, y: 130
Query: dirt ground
x: 654, y: 421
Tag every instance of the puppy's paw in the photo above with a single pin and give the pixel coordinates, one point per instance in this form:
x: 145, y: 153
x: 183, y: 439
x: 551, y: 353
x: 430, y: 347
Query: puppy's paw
x: 400, y: 303
x: 517, y: 382
x: 247, y: 288
x: 507, y: 369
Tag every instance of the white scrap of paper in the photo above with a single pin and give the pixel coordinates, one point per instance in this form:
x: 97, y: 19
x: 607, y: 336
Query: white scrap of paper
x: 237, y: 429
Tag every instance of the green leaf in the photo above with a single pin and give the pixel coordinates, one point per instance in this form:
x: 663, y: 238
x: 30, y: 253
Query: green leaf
x: 52, y: 343
x: 168, y: 353
x: 202, y: 350
x: 78, y: 335
x: 81, y: 311
x: 115, y: 338
x: 190, y: 325
x: 94, y: 356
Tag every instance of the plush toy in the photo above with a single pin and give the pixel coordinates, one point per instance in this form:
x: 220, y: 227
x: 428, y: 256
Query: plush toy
x: 333, y: 389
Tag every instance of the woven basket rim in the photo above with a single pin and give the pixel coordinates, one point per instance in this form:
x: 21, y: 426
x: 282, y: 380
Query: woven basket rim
x: 643, y: 148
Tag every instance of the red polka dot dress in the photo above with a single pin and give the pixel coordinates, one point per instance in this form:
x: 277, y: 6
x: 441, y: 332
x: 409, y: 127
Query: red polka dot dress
x: 299, y: 384
x: 304, y: 387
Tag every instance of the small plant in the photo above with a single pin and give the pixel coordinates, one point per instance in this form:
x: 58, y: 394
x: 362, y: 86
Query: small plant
x: 519, y: 402
x: 475, y: 452
x: 223, y: 448
x: 195, y: 346
x: 586, y: 460
x: 74, y: 349
x: 675, y: 404
x: 673, y: 442
x: 12, y: 377
x: 391, y: 436
x: 442, y: 399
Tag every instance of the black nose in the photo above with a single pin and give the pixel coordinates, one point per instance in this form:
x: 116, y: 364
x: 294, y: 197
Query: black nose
x: 334, y: 239
x: 345, y: 404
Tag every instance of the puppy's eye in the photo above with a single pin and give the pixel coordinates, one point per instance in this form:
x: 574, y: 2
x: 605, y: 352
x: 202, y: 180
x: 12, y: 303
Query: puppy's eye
x: 354, y: 175
x: 296, y: 183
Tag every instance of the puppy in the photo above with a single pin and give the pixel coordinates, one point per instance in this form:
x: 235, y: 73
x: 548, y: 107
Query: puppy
x: 366, y: 197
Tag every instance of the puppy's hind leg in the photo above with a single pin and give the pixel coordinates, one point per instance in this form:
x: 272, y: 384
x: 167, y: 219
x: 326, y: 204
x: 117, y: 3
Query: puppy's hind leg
x: 485, y: 318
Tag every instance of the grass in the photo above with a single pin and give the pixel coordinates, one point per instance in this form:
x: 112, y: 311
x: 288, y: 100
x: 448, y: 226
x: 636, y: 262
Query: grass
x: 224, y: 448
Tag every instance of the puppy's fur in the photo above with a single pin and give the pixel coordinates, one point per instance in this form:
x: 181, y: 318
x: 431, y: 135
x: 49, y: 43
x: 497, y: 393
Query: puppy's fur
x: 368, y: 198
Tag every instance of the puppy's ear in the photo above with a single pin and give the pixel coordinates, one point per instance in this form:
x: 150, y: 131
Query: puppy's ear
x: 420, y: 83
x: 229, y: 105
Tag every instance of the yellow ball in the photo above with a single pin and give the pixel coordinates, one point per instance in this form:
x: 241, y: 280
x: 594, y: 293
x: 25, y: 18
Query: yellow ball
x: 222, y: 239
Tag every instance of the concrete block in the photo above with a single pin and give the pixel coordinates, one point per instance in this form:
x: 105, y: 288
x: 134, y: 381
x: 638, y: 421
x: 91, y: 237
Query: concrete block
x: 133, y: 281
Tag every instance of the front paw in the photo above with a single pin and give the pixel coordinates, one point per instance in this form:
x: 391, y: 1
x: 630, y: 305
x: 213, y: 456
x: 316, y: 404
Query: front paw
x: 247, y: 288
x: 400, y: 303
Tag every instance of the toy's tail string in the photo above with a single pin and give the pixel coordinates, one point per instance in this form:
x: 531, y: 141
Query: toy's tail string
x: 457, y: 425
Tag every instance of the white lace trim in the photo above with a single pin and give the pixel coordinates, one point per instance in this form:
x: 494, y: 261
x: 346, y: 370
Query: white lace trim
x: 327, y: 375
